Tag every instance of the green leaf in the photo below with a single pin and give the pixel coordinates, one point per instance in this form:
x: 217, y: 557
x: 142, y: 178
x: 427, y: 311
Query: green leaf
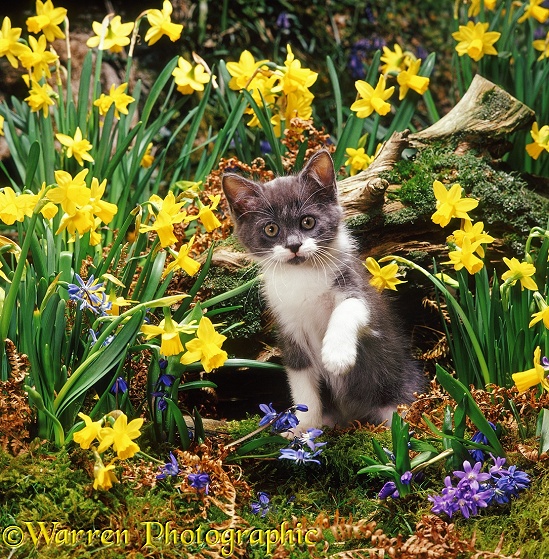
x: 260, y: 442
x: 542, y: 431
x: 180, y: 423
x: 459, y: 391
x: 99, y: 362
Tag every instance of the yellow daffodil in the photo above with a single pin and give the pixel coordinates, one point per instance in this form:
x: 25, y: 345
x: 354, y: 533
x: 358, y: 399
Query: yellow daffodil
x: 206, y: 215
x: 539, y: 316
x: 9, y: 45
x: 39, y: 98
x: 183, y: 261
x: 521, y: 271
x: 118, y: 96
x: 71, y: 193
x: 14, y: 207
x: 464, y: 256
x: 103, y: 475
x: 409, y: 79
x: 189, y: 78
x: 161, y: 24
x: 541, y: 140
x: 474, y: 232
x: 474, y: 7
x: 89, y: 433
x: 394, y: 61
x: 121, y: 436
x: 541, y: 44
x: 116, y: 303
x: 169, y: 331
x: 535, y: 10
x: 294, y: 105
x: 168, y: 214
x: 47, y: 20
x: 382, y: 278
x: 36, y: 58
x: 532, y: 377
x: 358, y: 160
x: 77, y: 146
x: 243, y: 70
x: 1, y: 125
x: 148, y: 158
x: 116, y: 36
x: 372, y: 99
x: 206, y: 347
x: 475, y: 40
x: 49, y: 209
x: 80, y: 221
x: 105, y: 211
x: 450, y: 204
x: 294, y: 77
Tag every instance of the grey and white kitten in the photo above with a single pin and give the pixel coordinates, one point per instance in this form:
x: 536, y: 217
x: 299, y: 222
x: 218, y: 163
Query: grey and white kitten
x: 344, y: 356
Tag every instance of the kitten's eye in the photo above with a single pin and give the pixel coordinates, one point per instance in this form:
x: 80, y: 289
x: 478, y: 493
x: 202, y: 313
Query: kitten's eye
x: 271, y: 229
x: 308, y: 222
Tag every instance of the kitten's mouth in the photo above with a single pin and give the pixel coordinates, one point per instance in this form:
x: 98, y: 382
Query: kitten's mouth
x: 296, y: 259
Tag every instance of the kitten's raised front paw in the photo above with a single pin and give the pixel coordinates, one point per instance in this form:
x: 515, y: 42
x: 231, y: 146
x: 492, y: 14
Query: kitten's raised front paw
x: 338, y: 354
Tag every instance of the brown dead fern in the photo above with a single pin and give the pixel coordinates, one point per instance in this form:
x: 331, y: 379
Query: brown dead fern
x: 15, y: 412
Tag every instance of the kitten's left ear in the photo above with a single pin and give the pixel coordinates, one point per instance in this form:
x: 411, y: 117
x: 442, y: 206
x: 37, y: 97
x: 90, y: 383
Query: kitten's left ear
x: 320, y: 171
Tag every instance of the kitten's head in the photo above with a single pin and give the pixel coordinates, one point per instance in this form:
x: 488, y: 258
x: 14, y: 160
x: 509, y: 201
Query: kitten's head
x: 291, y: 219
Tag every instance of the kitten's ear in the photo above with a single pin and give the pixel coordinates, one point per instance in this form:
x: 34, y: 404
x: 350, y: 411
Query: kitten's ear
x: 320, y: 171
x: 240, y: 192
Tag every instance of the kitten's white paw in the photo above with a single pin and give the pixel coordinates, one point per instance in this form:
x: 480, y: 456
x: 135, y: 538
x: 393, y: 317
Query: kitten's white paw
x: 338, y: 354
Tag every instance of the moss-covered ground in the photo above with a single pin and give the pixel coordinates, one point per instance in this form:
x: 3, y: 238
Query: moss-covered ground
x: 48, y: 495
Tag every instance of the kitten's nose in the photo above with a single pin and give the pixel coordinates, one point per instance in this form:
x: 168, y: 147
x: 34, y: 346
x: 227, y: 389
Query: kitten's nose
x: 294, y: 247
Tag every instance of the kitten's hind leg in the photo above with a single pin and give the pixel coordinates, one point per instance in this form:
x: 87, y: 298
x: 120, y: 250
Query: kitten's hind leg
x: 304, y: 386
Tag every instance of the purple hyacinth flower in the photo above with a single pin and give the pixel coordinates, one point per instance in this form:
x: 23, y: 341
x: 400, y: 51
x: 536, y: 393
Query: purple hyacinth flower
x: 389, y: 490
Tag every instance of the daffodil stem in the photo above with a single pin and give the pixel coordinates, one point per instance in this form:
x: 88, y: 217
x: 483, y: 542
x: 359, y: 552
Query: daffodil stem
x: 149, y: 457
x: 373, y: 135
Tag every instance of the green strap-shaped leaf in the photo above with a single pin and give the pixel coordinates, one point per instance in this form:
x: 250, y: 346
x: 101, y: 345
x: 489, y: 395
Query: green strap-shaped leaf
x: 98, y: 364
x: 459, y: 391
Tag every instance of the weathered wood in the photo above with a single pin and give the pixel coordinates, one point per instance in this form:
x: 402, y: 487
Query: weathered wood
x: 483, y: 118
x: 359, y: 193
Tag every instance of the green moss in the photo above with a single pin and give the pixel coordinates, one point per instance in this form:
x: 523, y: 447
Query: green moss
x: 222, y: 279
x: 505, y: 202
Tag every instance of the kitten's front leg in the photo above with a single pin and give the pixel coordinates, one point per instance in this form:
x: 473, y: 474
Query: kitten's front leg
x: 305, y: 390
x: 340, y: 343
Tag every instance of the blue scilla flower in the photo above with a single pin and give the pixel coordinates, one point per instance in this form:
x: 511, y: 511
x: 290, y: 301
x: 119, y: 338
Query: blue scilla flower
x: 478, y: 455
x: 389, y: 490
x: 308, y: 438
x: 299, y: 456
x: 261, y: 506
x: 199, y: 481
x: 169, y: 469
x: 161, y: 404
x: 513, y: 481
x: 94, y: 337
x: 120, y: 386
x: 270, y: 414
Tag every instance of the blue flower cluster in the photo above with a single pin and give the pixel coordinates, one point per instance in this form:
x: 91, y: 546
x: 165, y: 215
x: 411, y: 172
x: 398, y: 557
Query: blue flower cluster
x: 476, y: 489
x: 261, y: 506
x: 302, y: 449
x: 89, y: 294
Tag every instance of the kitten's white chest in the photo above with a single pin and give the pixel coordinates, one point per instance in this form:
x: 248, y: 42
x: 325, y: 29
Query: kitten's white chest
x: 302, y: 299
